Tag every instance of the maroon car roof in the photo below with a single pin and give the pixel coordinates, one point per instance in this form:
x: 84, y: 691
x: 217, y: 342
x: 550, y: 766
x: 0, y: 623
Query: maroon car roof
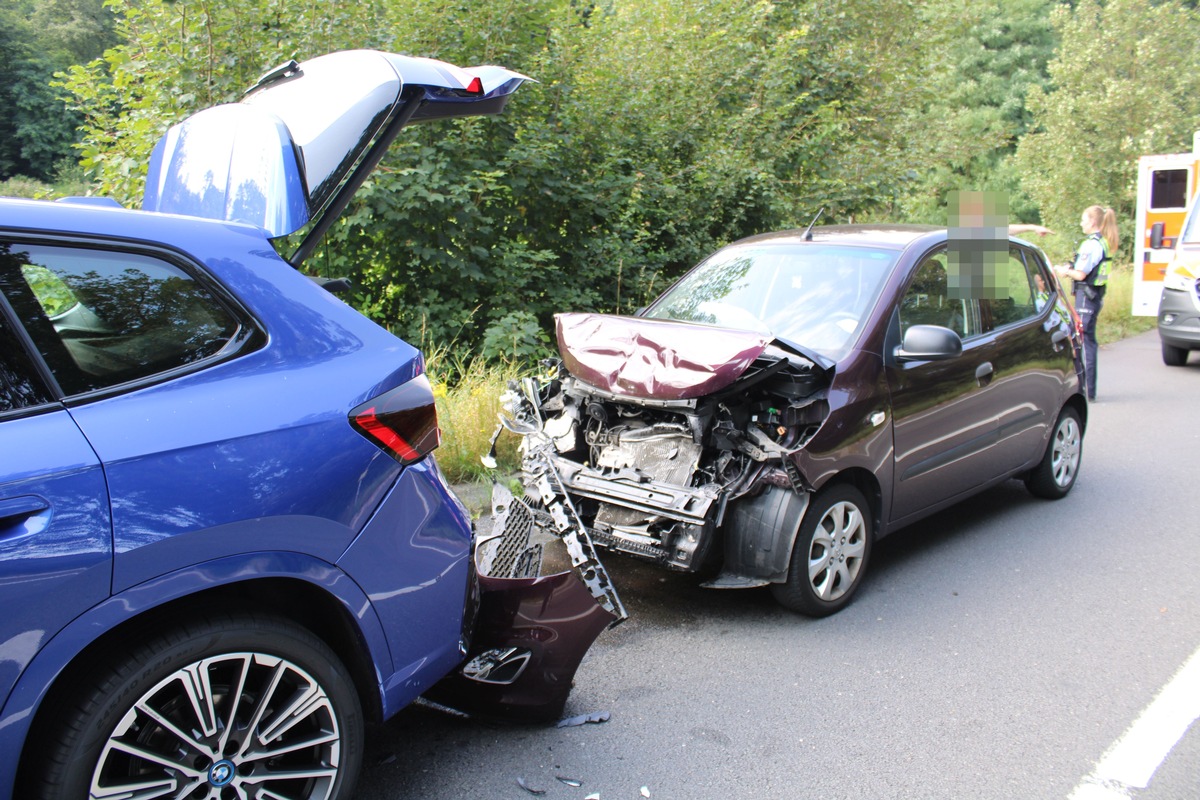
x: 880, y: 235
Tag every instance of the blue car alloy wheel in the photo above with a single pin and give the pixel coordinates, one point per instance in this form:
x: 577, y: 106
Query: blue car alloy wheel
x: 222, y: 707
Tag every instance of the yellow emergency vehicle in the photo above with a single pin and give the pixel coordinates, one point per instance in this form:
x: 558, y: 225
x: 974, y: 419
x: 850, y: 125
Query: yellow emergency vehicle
x: 1167, y: 186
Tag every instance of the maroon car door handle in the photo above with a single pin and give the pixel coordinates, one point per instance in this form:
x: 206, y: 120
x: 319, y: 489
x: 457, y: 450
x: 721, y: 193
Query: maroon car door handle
x: 984, y: 373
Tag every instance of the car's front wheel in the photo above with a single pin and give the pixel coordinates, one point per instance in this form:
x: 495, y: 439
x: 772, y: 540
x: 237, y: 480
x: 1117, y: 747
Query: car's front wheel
x: 1056, y: 473
x: 830, y: 555
x: 1174, y: 356
x: 227, y: 707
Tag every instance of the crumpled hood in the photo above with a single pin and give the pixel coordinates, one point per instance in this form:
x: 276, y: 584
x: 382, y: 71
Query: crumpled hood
x: 654, y: 359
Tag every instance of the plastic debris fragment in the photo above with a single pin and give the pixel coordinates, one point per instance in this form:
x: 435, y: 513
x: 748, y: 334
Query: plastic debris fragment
x: 453, y: 712
x: 574, y: 782
x: 593, y: 796
x: 583, y: 719
x: 521, y: 782
x: 645, y: 791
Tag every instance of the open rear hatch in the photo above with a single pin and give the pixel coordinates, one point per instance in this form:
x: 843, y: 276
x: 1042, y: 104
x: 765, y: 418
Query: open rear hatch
x: 296, y: 148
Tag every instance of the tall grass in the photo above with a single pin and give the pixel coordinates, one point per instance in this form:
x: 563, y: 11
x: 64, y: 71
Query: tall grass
x: 467, y: 391
x: 70, y: 182
x: 1116, y: 317
x: 20, y: 186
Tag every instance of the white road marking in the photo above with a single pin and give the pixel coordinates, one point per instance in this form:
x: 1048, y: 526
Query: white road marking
x: 1130, y: 763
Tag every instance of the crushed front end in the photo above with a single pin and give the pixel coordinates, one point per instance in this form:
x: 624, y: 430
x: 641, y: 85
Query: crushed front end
x: 674, y: 423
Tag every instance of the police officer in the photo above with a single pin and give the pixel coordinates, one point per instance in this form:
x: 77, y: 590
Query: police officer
x: 1089, y: 271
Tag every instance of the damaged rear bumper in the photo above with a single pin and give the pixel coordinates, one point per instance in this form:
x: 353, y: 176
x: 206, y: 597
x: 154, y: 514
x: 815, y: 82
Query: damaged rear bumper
x: 531, y: 631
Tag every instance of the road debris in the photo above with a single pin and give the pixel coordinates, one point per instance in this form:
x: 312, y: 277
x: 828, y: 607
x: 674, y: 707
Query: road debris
x: 521, y: 782
x: 573, y: 782
x: 583, y: 719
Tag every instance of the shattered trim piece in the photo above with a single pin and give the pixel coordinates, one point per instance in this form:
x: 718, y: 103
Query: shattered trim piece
x: 543, y: 480
x: 521, y: 782
x: 499, y: 665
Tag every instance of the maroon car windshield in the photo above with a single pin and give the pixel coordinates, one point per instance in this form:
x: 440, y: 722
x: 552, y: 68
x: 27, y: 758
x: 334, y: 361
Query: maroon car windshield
x: 815, y: 295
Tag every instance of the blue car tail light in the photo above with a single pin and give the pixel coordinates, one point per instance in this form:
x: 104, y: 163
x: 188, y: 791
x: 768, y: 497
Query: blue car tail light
x: 403, y: 421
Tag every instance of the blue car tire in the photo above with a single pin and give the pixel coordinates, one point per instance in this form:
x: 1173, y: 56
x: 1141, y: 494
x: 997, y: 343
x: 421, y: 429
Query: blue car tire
x: 222, y: 706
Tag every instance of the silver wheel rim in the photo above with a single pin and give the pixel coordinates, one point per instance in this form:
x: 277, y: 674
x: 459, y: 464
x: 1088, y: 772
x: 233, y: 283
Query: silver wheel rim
x: 836, y: 552
x: 231, y: 727
x: 1064, y: 457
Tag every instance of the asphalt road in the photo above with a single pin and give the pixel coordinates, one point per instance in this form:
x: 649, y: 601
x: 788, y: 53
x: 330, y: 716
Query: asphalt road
x: 997, y: 650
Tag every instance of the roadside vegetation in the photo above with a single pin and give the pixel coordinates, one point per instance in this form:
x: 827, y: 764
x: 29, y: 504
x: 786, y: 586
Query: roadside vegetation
x: 468, y: 395
x: 1115, y: 320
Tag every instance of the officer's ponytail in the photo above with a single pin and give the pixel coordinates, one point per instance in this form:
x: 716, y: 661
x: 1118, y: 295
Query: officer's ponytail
x: 1104, y: 221
x: 1108, y: 229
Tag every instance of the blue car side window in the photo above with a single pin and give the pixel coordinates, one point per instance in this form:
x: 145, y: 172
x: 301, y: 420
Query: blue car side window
x: 20, y: 386
x: 101, y: 318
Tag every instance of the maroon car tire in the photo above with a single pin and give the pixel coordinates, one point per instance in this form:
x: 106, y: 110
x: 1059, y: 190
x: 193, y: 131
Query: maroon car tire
x: 1059, y: 468
x: 829, y: 557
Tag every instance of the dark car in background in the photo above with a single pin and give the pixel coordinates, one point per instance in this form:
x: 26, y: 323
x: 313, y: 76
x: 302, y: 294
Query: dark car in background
x: 224, y: 544
x: 797, y: 396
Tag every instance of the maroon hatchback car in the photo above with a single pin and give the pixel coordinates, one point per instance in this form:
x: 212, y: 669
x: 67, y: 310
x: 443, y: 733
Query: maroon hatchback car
x: 798, y: 395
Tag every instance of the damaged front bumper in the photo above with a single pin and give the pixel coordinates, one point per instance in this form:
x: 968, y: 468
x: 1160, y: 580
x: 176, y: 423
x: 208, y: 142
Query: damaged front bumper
x: 683, y: 459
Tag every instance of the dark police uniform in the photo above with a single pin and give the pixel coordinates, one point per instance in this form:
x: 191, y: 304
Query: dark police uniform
x: 1094, y: 260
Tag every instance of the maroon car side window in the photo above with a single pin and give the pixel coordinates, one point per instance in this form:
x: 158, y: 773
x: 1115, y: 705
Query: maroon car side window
x: 927, y: 300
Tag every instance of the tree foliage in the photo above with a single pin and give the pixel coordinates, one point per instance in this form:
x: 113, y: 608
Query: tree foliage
x: 980, y: 60
x: 38, y: 37
x: 1125, y: 83
x: 659, y: 130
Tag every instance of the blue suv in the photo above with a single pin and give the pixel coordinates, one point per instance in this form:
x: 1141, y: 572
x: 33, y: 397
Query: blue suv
x: 224, y: 545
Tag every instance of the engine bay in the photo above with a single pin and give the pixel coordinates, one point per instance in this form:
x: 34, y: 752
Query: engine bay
x: 653, y: 478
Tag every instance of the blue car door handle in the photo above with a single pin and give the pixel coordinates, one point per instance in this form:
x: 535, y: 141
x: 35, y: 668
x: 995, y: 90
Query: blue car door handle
x: 14, y: 509
x: 984, y: 373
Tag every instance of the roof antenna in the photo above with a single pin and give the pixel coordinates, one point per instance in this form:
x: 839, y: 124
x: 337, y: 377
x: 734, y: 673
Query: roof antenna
x: 808, y: 230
